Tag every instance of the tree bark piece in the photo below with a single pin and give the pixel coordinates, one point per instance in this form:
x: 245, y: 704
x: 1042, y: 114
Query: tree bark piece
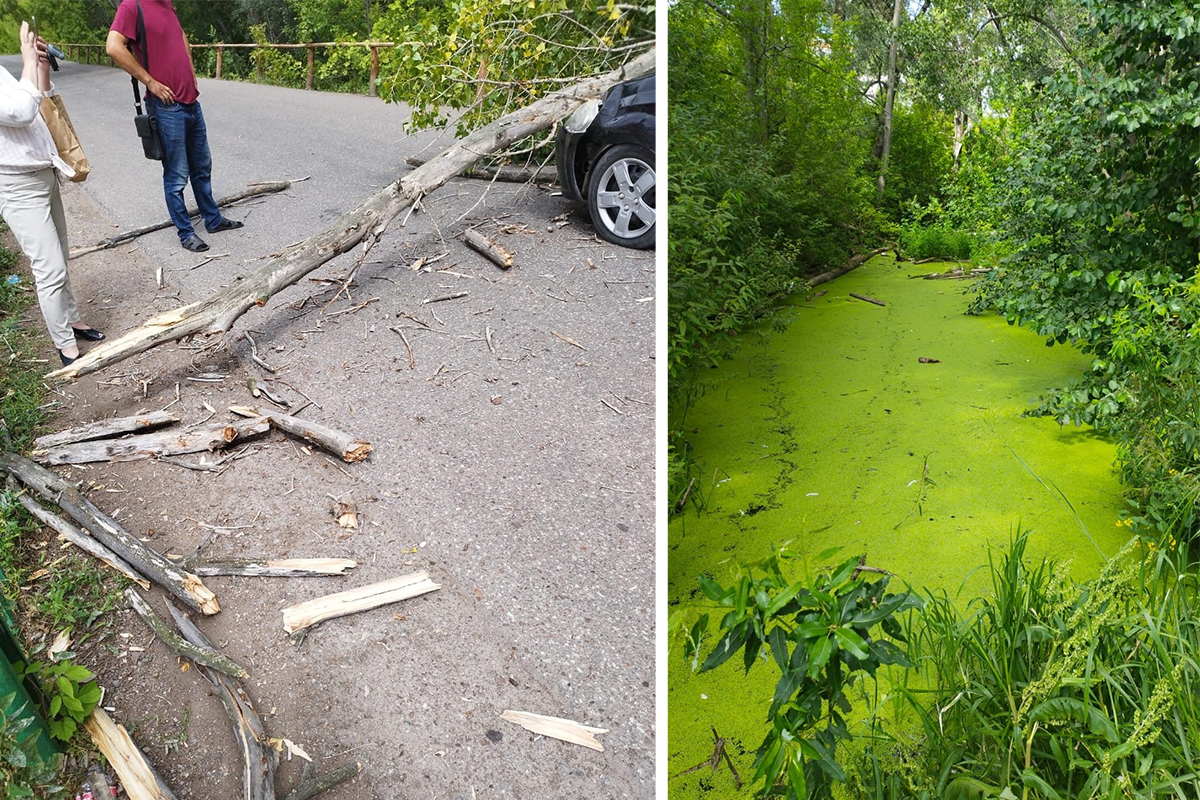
x: 80, y: 539
x: 105, y: 429
x: 309, y: 613
x: 364, y: 224
x: 504, y: 172
x: 140, y: 780
x: 258, y: 760
x: 254, y: 190
x: 201, y: 655
x: 486, y: 247
x: 149, y: 563
x: 557, y: 728
x: 345, y: 446
x: 866, y: 299
x: 269, y: 568
x: 311, y: 784
x: 853, y: 263
x: 204, y: 438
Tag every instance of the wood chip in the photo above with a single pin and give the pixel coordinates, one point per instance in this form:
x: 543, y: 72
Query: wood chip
x: 557, y: 728
x: 306, y: 614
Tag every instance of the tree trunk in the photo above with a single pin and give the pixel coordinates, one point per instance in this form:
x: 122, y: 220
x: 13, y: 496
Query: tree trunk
x: 503, y: 172
x: 364, y: 224
x: 961, y: 125
x: 105, y: 428
x: 201, y: 439
x: 889, y: 102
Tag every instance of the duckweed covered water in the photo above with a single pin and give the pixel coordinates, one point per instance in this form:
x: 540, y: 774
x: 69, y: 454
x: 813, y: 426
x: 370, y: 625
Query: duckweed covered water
x: 835, y: 433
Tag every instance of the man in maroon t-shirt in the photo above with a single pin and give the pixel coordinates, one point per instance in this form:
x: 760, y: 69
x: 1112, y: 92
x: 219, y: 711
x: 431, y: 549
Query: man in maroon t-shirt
x: 172, y: 97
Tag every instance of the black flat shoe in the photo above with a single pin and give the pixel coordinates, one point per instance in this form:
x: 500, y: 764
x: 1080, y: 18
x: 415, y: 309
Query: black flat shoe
x: 88, y: 334
x: 194, y: 243
x: 66, y: 360
x: 224, y: 225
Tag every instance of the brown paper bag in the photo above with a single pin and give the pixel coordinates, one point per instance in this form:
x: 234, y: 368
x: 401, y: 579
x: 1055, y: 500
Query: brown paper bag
x: 69, y: 149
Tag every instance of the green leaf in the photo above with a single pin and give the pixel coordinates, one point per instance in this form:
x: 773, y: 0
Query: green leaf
x: 1059, y: 709
x: 779, y: 649
x: 1031, y: 779
x: 782, y: 599
x: 851, y: 641
x: 822, y: 649
x: 887, y: 653
x: 728, y: 644
x: 713, y: 590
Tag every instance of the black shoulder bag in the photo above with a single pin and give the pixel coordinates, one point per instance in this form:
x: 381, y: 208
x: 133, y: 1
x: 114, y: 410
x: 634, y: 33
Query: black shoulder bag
x: 147, y: 125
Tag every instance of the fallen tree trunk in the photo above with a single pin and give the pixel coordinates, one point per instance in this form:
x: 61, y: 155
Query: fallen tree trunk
x: 204, y: 656
x: 201, y: 439
x: 311, y: 612
x: 853, y: 263
x: 364, y: 224
x: 867, y: 299
x: 489, y: 249
x: 148, y: 562
x: 268, y: 568
x: 254, y: 190
x: 140, y: 780
x: 105, y: 429
x: 78, y: 538
x: 258, y: 761
x: 346, y: 447
x: 503, y: 172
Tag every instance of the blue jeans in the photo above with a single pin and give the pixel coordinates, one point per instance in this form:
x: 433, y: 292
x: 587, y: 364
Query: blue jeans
x: 185, y: 154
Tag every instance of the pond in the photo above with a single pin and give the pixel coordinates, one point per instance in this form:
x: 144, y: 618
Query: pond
x: 894, y: 431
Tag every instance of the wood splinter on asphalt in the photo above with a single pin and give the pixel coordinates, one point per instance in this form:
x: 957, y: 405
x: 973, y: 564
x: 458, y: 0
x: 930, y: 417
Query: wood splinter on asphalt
x: 307, y: 614
x: 557, y: 728
x: 489, y: 249
x: 568, y: 340
x: 344, y: 445
x: 443, y: 298
x: 866, y: 299
x: 345, y: 512
x: 140, y: 780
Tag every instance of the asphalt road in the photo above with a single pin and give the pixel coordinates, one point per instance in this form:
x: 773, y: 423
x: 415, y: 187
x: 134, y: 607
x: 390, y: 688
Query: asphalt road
x: 521, y: 480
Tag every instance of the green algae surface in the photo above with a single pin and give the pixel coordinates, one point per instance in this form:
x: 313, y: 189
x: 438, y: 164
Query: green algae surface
x: 894, y: 431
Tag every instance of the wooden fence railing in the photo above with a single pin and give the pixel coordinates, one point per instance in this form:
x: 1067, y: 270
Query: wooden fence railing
x: 95, y: 54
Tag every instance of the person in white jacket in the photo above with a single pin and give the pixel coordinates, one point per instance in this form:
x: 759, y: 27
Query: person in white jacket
x: 29, y: 198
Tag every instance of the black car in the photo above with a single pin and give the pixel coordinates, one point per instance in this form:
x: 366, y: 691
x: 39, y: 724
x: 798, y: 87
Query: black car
x: 605, y: 156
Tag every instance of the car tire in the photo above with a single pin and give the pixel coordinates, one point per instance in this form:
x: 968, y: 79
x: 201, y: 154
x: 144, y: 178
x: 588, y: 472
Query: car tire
x: 620, y: 196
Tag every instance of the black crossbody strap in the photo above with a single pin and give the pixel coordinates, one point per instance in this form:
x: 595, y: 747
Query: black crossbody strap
x: 141, y: 40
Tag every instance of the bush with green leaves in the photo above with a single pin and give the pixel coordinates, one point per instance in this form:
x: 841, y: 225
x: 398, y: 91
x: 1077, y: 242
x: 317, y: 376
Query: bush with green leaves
x: 70, y: 690
x: 23, y: 775
x: 824, y: 633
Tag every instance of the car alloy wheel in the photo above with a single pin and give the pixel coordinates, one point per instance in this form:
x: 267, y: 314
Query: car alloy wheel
x: 621, y: 196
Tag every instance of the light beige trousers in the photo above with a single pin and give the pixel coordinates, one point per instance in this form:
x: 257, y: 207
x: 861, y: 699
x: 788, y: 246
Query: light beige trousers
x: 32, y: 207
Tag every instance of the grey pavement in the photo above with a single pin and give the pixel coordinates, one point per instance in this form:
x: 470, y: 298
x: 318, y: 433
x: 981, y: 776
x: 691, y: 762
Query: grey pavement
x: 521, y: 480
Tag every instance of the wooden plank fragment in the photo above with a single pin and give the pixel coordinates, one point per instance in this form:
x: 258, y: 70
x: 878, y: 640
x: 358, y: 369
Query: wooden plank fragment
x: 309, y: 613
x: 343, y: 445
x: 105, y: 428
x: 202, y: 438
x: 557, y: 728
x: 140, y: 780
x: 269, y: 568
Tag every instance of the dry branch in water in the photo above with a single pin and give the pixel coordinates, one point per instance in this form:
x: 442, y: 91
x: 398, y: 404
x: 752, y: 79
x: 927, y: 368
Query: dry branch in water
x: 309, y: 613
x: 203, y: 438
x: 148, y: 562
x: 362, y: 225
x: 486, y: 247
x: 105, y: 429
x: 853, y: 263
x: 343, y: 445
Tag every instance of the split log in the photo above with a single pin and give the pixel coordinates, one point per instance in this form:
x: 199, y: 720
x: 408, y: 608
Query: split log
x: 140, y: 780
x: 853, y: 263
x: 311, y: 784
x: 557, y: 728
x: 343, y: 445
x: 258, y: 760
x: 268, y: 568
x: 78, y: 538
x: 201, y: 439
x: 148, y: 562
x: 254, y: 190
x: 362, y: 225
x: 309, y: 613
x: 486, y: 247
x: 503, y: 172
x: 105, y: 428
x: 201, y: 655
x: 866, y: 299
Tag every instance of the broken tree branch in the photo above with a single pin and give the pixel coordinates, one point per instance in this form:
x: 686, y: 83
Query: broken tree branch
x: 854, y: 262
x: 140, y: 780
x: 204, y: 438
x: 218, y: 312
x: 201, y: 655
x: 343, y: 445
x: 309, y: 613
x: 254, y: 190
x: 489, y: 249
x: 503, y: 172
x: 268, y: 568
x: 311, y: 784
x: 105, y: 428
x: 867, y: 299
x: 148, y: 562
